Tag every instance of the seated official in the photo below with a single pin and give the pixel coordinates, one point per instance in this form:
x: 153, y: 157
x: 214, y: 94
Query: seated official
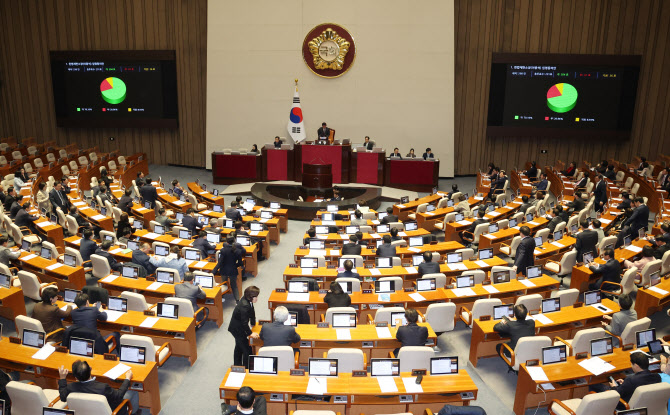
x: 563, y: 214
x: 554, y: 220
x: 412, y: 334
x: 240, y: 230
x: 647, y: 256
x: 515, y: 329
x: 123, y: 227
x: 126, y: 201
x: 625, y: 202
x: 232, y: 213
x: 577, y: 204
x: 386, y: 249
x: 525, y: 204
x: 662, y: 246
x: 87, y: 246
x: 254, y: 149
x: 610, y: 173
x: 361, y: 241
x: 177, y: 190
x: 173, y: 261
x: 25, y: 219
x: 461, y: 410
x: 277, y: 142
x: 638, y: 220
x: 86, y: 384
x: 394, y: 235
x: 87, y: 315
x: 597, y: 226
x: 428, y: 154
x: 396, y: 154
x: 277, y: 333
x: 352, y: 247
x: 10, y: 199
x: 164, y: 220
x: 369, y: 145
x: 104, y: 196
x: 201, y: 243
x: 336, y: 196
x: 618, y: 321
x: 571, y: 170
x: 610, y: 271
x: 542, y: 183
x: 358, y: 220
x: 390, y: 218
x: 454, y: 189
x: 20, y: 178
x: 141, y: 257
x: 626, y: 387
x: 311, y: 234
x: 497, y: 184
x: 247, y: 403
x: 411, y: 154
x: 471, y: 229
x: 324, y: 132
x: 348, y: 271
x: 191, y: 292
x: 462, y: 206
x: 103, y: 251
x: 428, y: 266
x: 532, y: 172
x: 336, y: 297
x: 49, y: 314
x: 363, y: 206
x: 7, y: 254
x: 191, y: 223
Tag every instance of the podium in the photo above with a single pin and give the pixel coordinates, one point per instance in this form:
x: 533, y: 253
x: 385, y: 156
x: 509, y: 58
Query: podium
x: 317, y: 176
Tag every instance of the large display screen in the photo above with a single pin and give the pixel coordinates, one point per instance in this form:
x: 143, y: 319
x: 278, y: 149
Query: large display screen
x: 115, y: 88
x: 533, y: 94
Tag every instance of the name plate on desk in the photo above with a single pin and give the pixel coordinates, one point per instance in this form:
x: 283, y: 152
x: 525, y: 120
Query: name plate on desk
x: 109, y: 356
x: 627, y: 347
x: 237, y: 369
x: 409, y: 290
x: 323, y: 291
x: 382, y: 324
x: 149, y: 313
x: 14, y: 340
x: 359, y: 374
x: 149, y: 278
x: 305, y: 343
x: 261, y: 322
x: 486, y: 282
x: 331, y: 266
x: 532, y: 362
x: 61, y: 349
x: 484, y: 318
x: 367, y: 291
x: 280, y: 290
x: 293, y: 265
x: 297, y: 372
x: 417, y: 372
x: 582, y: 355
x: 322, y: 325
x: 577, y: 305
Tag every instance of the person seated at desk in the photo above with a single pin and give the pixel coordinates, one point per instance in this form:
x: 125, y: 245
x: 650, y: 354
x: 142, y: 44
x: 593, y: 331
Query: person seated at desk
x: 164, y: 220
x: 352, y: 247
x: 411, y: 154
x: 471, y: 229
x: 461, y: 410
x: 428, y: 154
x: 525, y: 204
x: 104, y: 196
x: 87, y: 315
x: 390, y: 217
x: 563, y: 214
x: 363, y: 206
x: 123, y: 227
x: 232, y: 212
x: 87, y: 246
x: 602, y: 166
x: 358, y: 220
x: 664, y: 179
x: 585, y: 241
x: 662, y: 246
x: 348, y: 271
x: 454, y: 189
x: 126, y: 201
x: 554, y: 221
x: 412, y: 334
x: 394, y: 235
x: 577, y: 204
x: 247, y: 403
x: 610, y: 271
x: 532, y: 172
x: 86, y: 384
x: 105, y: 178
x: 582, y: 183
x: 571, y: 170
x: 277, y: 333
x: 626, y: 387
x: 369, y: 145
x: 254, y: 149
x: 428, y: 266
x: 610, y: 173
x: 277, y: 143
x: 141, y: 257
x: 7, y: 254
x: 396, y: 154
x: 625, y: 202
x: 191, y: 292
x: 386, y: 250
x: 25, y: 219
x: 201, y: 243
x: 647, y: 256
x: 173, y: 261
x: 597, y: 226
x: 49, y: 314
x: 103, y: 251
x: 240, y: 230
x: 336, y: 297
x: 324, y: 132
x: 542, y: 183
x: 10, y: 199
x: 515, y: 329
x: 311, y: 234
x: 361, y: 241
x: 497, y: 184
x: 177, y: 190
x: 190, y: 222
x: 336, y: 196
x: 618, y: 321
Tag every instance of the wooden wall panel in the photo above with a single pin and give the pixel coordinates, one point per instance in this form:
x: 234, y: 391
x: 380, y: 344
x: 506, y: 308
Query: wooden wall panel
x: 29, y: 29
x: 627, y: 27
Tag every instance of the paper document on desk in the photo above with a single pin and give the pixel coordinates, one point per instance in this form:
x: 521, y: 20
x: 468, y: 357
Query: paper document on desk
x: 263, y: 220
x: 494, y: 213
x: 98, y: 217
x: 417, y: 297
x: 658, y: 290
x: 343, y: 334
x: 601, y: 308
x: 235, y: 379
x: 44, y: 224
x: 537, y: 373
x: 321, y: 236
x: 44, y: 352
x: 344, y: 237
x: 116, y: 251
x: 29, y: 257
x: 413, y: 249
x: 79, y: 203
x: 254, y: 233
x: 537, y: 252
x: 463, y: 292
x: 605, y: 221
x: 481, y: 263
x: 306, y: 271
x: 117, y: 371
x: 317, y: 386
x: 634, y: 248
x: 316, y: 252
x: 301, y: 297
x: 375, y: 222
x: 383, y: 333
x: 375, y: 235
x: 558, y: 244
x: 328, y: 222
x: 457, y: 267
x: 490, y: 289
x: 478, y: 198
x: 113, y: 315
x: 334, y: 252
x: 402, y: 234
x: 375, y: 271
x: 110, y: 278
x: 527, y: 283
x: 411, y: 270
x: 533, y: 223
x: 76, y: 242
x: 175, y: 241
x: 464, y: 222
x: 54, y: 266
x: 154, y: 286
x: 64, y: 308
x: 383, y: 297
x: 596, y: 365
x: 543, y: 319
x: 200, y: 264
x: 149, y: 322
x: 151, y: 235
x: 207, y: 212
x: 179, y: 202
x: 387, y: 384
x: 411, y: 386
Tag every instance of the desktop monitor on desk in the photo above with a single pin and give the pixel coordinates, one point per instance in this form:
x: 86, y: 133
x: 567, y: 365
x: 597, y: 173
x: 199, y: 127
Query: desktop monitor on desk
x: 45, y: 253
x: 384, y: 367
x: 217, y: 208
x: 411, y: 226
x: 205, y: 281
x: 592, y: 297
x: 133, y: 245
x: 133, y: 354
x: 228, y: 224
x: 538, y: 241
x: 33, y: 338
x: 493, y: 228
x: 165, y: 277
x: 554, y: 354
x: 265, y: 365
x: 454, y: 257
x: 161, y: 250
x: 398, y: 319
x: 327, y: 217
x: 298, y: 286
x: 69, y: 295
x: 309, y: 262
x: 243, y: 240
x: 486, y: 253
x: 184, y: 234
x: 138, y: 224
x: 317, y: 244
x: 5, y: 281
x: 558, y: 235
x: 417, y: 260
x: 384, y: 287
x: 322, y: 367
x: 383, y: 262
x: 266, y: 214
x: 321, y: 230
x: 167, y: 310
x: 192, y: 254
x: 383, y: 228
x: 426, y: 284
x: 465, y: 281
x: 444, y: 365
x: 344, y: 320
x: 351, y: 230
x: 601, y: 346
x: 129, y: 272
x: 159, y: 229
x: 81, y: 347
x: 550, y: 305
x: 382, y: 215
x: 345, y: 285
x: 533, y: 271
x: 416, y: 241
x: 500, y: 277
x: 644, y: 336
x: 118, y: 304
x: 500, y: 311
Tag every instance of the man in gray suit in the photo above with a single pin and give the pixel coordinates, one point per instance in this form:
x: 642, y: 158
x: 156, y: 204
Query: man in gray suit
x: 7, y: 254
x: 190, y: 291
x: 358, y: 220
x: 617, y: 322
x: 386, y: 249
x: 277, y: 333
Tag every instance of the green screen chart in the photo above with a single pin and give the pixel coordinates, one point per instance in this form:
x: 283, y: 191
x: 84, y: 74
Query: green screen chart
x: 561, y: 97
x: 113, y: 90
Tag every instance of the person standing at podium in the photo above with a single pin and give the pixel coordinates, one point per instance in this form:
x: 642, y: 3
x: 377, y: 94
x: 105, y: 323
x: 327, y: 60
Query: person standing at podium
x: 324, y: 132
x: 277, y: 142
x: 368, y: 144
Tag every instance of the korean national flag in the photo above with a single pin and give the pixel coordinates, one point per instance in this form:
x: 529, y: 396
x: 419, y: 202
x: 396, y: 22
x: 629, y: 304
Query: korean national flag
x: 296, y: 127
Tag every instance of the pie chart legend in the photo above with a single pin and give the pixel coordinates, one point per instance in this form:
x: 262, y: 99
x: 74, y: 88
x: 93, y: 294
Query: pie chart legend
x: 113, y: 90
x: 561, y: 97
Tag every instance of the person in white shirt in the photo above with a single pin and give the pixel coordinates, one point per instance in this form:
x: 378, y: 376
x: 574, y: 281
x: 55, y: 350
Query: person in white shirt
x: 173, y: 260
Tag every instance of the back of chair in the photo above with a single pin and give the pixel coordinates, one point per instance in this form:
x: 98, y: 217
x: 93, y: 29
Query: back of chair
x: 531, y: 301
x: 480, y: 229
x: 628, y: 281
x: 356, y: 259
x: 422, y: 208
x: 397, y: 281
x: 479, y: 275
x: 650, y: 268
x: 348, y: 359
x: 628, y: 334
x: 383, y: 315
x: 26, y: 399
x: 567, y: 297
x: 24, y: 322
x: 484, y: 307
x: 101, y: 267
x: 30, y: 285
x: 467, y: 253
x: 72, y: 225
x: 516, y: 241
x: 440, y: 279
x: 654, y: 397
x: 52, y: 248
x: 665, y: 263
x: 185, y: 306
x: 529, y: 348
x: 598, y: 403
x: 510, y: 270
x: 415, y: 357
x: 608, y: 240
x: 543, y: 233
x: 136, y: 301
x: 440, y: 316
x: 285, y: 355
x: 89, y: 403
x: 582, y: 341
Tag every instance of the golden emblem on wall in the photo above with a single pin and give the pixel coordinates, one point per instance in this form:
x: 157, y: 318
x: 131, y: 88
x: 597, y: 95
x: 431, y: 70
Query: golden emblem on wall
x: 329, y: 50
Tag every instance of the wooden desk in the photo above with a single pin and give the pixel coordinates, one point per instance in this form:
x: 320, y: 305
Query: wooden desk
x: 566, y: 323
x: 369, y: 254
x: 362, y: 394
x: 427, y: 220
x: 63, y: 275
x: 403, y: 210
x: 341, y: 239
x: 92, y: 215
x: 12, y: 303
x: 649, y: 301
x: 281, y: 214
x: 453, y: 229
x: 204, y: 196
x: 137, y: 210
x: 170, y: 202
x: 44, y: 373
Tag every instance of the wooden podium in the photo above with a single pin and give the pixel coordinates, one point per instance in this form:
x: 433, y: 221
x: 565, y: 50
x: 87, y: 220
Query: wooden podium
x: 317, y: 176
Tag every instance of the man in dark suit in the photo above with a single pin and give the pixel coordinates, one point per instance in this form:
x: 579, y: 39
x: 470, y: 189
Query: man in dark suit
x: 149, y: 193
x: 191, y: 292
x: 428, y: 154
x: 348, y: 271
x: 241, y: 321
x: 230, y: 259
x: 87, y: 315
x: 610, y: 173
x: 542, y: 183
x: 324, y: 131
x: 532, y: 172
x: 390, y: 218
x: 386, y: 249
x: 497, y: 184
x: 600, y: 192
x: 554, y: 221
x: 515, y: 330
x: 23, y: 218
x: 81, y: 222
x: 368, y: 144
x: 610, y: 271
x: 190, y: 222
x: 586, y: 240
x: 352, y: 248
x: 563, y: 214
x: 524, y: 252
x: 103, y: 251
x: 524, y: 204
x: 638, y: 220
x: 625, y: 203
x: 412, y: 334
x: 277, y: 333
x: 201, y: 243
x: 232, y: 213
x: 141, y: 257
x: 126, y: 202
x: 247, y: 403
x: 577, y: 204
x: 428, y: 266
x: 85, y: 384
x: 10, y: 199
x: 454, y: 189
x: 58, y: 199
x: 626, y: 387
x: 396, y: 154
x: 87, y: 246
x: 481, y: 212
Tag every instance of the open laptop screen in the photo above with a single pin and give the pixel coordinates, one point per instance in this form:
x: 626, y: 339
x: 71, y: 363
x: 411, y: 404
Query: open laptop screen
x: 425, y: 284
x: 553, y: 354
x: 263, y: 364
x: 205, y: 281
x: 81, y: 347
x: 33, y: 338
x: 344, y: 320
x: 384, y: 367
x: 550, y: 305
x: 645, y: 336
x: 322, y: 367
x: 443, y: 365
x: 118, y: 304
x: 167, y: 310
x: 500, y: 311
x: 133, y: 354
x: 601, y: 346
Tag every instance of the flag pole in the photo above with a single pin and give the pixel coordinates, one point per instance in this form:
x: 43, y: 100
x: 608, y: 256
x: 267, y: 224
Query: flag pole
x: 296, y: 84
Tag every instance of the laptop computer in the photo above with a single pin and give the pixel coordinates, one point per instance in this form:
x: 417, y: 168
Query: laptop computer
x: 444, y: 365
x: 384, y: 367
x: 118, y: 304
x: 465, y: 281
x: 33, y: 338
x: 165, y: 277
x: 309, y: 262
x: 129, y: 272
x: 411, y: 226
x: 550, y: 305
x: 383, y: 262
x: 344, y: 320
x: 192, y: 254
x: 133, y: 354
x: 601, y: 346
x: 322, y: 367
x: 454, y: 257
x: 500, y: 311
x: 554, y: 354
x: 416, y: 241
x: 264, y: 365
x: 167, y: 310
x: 298, y: 286
x: 417, y: 260
x: 243, y: 240
x: 81, y: 347
x: 54, y: 411
x: 205, y: 281
x: 533, y: 272
x: 486, y: 253
x: 383, y: 287
x: 644, y: 336
x: 132, y: 245
x: 426, y: 284
x: 398, y: 319
x: 5, y: 281
x: 317, y: 244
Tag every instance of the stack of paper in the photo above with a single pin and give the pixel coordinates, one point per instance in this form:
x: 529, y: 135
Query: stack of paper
x: 54, y: 266
x: 481, y: 263
x: 98, y: 217
x: 316, y: 252
x: 533, y: 223
x: 29, y: 257
x: 596, y: 365
x: 200, y: 264
x: 154, y: 286
x: 417, y: 297
x: 300, y: 297
x: 527, y: 283
x: 115, y: 251
x: 537, y: 373
x: 658, y: 290
x: 254, y: 233
x: 149, y: 322
x: 464, y: 222
x: 113, y: 315
x: 151, y: 235
x: 375, y: 271
x: 235, y: 379
x: 413, y: 249
x: 463, y: 292
x: 403, y: 234
x: 634, y: 248
x: 317, y: 386
x: 411, y: 270
x: 343, y: 334
x: 44, y: 352
x: 459, y: 266
x: 117, y: 371
x: 558, y: 244
x: 411, y: 386
x: 543, y: 319
x: 306, y: 271
x: 110, y: 278
x: 383, y: 332
x: 344, y: 237
x: 387, y: 384
x: 376, y: 235
x: 491, y: 289
x: 176, y: 241
x: 44, y: 224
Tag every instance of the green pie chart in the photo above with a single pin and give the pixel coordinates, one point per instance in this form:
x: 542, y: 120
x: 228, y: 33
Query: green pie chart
x: 113, y: 90
x: 561, y: 97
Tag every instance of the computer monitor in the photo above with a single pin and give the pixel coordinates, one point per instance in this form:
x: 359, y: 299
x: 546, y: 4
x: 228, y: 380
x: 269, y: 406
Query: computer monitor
x: 382, y: 215
x: 384, y: 228
x: 493, y: 228
x: 45, y: 253
x: 165, y: 277
x: 573, y: 229
x: 5, y: 280
x: 54, y: 411
x: 404, y: 199
x: 346, y: 286
x: 33, y: 338
x: 627, y: 240
x: 167, y: 310
x: 655, y: 347
x: 179, y: 216
x: 256, y: 226
x: 512, y: 223
x: 486, y: 253
x: 266, y: 214
x: 322, y: 367
x: 326, y: 217
x: 592, y: 297
x: 229, y: 224
x: 265, y: 365
x: 411, y: 226
x: 601, y: 346
x: 416, y: 241
x: 217, y: 208
x: 332, y: 208
x: 636, y: 411
x: 192, y: 254
x: 450, y: 203
x: 350, y: 230
x: 558, y: 235
x: 203, y: 220
x: 538, y: 241
x: 499, y: 277
x: 133, y: 354
x: 184, y: 234
x: 645, y: 336
x: 490, y: 208
x: 383, y: 262
x: 529, y: 217
x: 398, y: 319
x: 465, y: 281
x: 69, y: 295
x: 250, y: 201
x: 25, y: 245
x: 321, y: 230
x: 430, y: 208
x: 500, y: 311
x: 344, y: 320
x: 275, y: 205
x: 444, y: 365
x: 161, y: 250
x: 129, y: 272
x: 454, y: 257
x: 384, y: 367
x: 309, y: 262
x: 132, y: 245
x: 138, y: 224
x: 243, y: 240
x: 459, y: 217
x: 654, y: 278
x: 503, y: 203
x: 205, y: 281
x: 550, y: 305
x: 159, y: 229
x: 554, y: 354
x: 118, y: 304
x: 383, y: 287
x: 298, y: 286
x: 213, y: 238
x: 417, y: 260
x: 426, y: 284
x: 109, y: 238
x: 81, y: 347
x: 534, y: 271
x: 317, y: 244
x: 147, y: 205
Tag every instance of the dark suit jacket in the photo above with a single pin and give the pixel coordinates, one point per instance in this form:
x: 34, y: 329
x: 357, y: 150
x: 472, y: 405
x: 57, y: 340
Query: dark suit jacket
x: 232, y: 213
x: 23, y: 218
x: 426, y: 156
x: 610, y: 270
x: 9, y: 200
x: 553, y: 223
x: 114, y: 396
x: 389, y: 219
x: 542, y: 185
x: 113, y: 264
x: 88, y: 317
x: 386, y: 250
x: 191, y: 224
x: 351, y: 249
x: 86, y: 248
x: 600, y: 192
x: 610, y: 174
x: 229, y: 260
x: 524, y: 207
x: 58, y: 200
x: 429, y: 268
x: 243, y: 315
x: 323, y: 132
x: 334, y: 300
x: 149, y: 194
x: 532, y: 172
x: 586, y: 241
x: 277, y: 144
x: 577, y: 205
x: 125, y: 203
x: 349, y: 274
x: 515, y: 330
x: 260, y: 407
x: 369, y: 145
x: 638, y: 220
x: 277, y: 334
x: 412, y: 335
x: 477, y: 221
x: 204, y: 246
x: 524, y: 255
x: 142, y: 259
x: 396, y: 156
x: 625, y: 204
x: 630, y: 383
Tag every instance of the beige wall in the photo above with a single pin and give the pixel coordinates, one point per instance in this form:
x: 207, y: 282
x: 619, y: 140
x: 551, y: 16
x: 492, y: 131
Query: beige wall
x: 399, y: 91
